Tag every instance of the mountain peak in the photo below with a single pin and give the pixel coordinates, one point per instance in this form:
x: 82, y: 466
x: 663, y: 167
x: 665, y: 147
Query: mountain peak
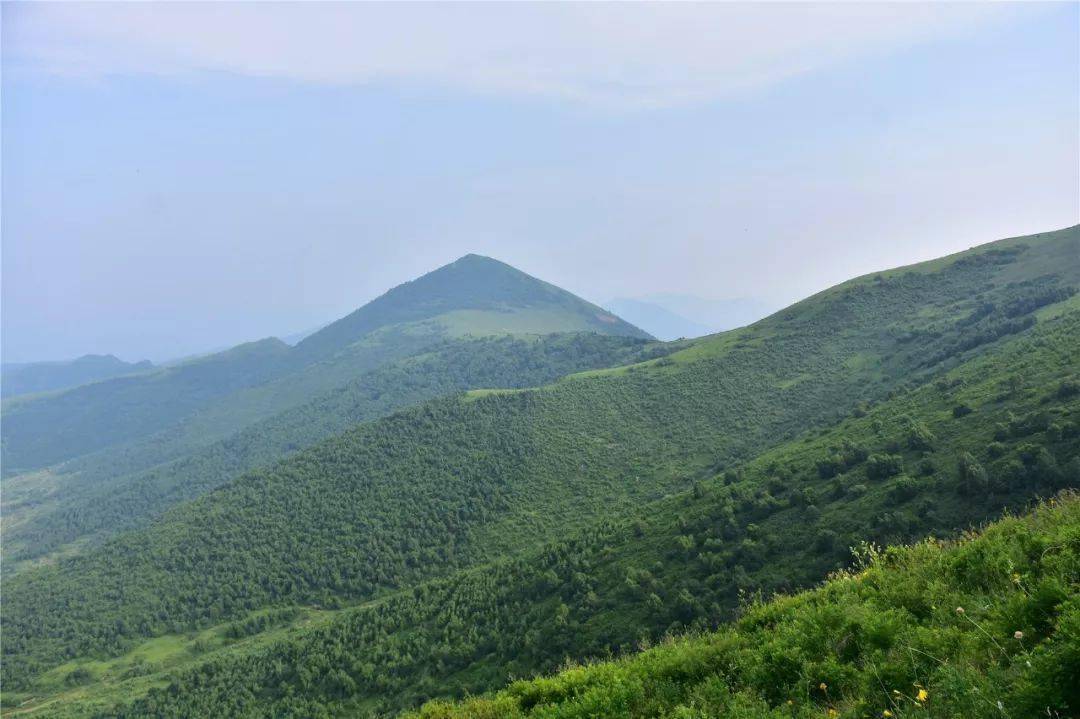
x: 477, y: 284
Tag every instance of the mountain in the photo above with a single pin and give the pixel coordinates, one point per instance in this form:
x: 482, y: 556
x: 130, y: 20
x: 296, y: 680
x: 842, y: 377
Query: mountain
x: 780, y: 521
x: 672, y: 316
x: 35, y: 377
x: 656, y: 320
x: 102, y: 494
x: 474, y: 295
x: 718, y: 315
x: 206, y: 399
x: 441, y: 548
x: 985, y: 627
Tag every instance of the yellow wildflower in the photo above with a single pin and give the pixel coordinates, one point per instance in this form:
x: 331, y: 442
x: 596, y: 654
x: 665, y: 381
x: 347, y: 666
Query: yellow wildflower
x: 922, y: 695
x: 886, y: 713
x: 823, y: 686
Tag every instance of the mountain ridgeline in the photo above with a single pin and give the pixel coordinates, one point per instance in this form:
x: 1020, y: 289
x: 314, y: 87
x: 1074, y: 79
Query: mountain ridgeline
x: 436, y: 550
x: 35, y: 377
x: 218, y: 394
x: 471, y: 285
x: 121, y: 452
x: 105, y: 494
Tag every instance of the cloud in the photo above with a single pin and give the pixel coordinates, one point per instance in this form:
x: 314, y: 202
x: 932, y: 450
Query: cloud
x: 636, y: 54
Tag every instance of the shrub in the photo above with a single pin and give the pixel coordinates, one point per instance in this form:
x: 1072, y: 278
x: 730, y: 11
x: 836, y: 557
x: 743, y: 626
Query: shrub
x: 961, y: 410
x: 1068, y: 388
x: 919, y: 436
x: 973, y: 477
x: 903, y: 489
x: 883, y: 466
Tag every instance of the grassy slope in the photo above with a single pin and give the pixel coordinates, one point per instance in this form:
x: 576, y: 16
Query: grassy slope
x: 102, y: 501
x: 454, y: 484
x: 987, y: 627
x: 775, y: 523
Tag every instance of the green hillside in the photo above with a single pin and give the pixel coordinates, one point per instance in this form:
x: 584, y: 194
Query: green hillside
x: 889, y: 473
x: 38, y: 431
x: 100, y: 497
x: 35, y: 377
x: 459, y: 483
x: 985, y: 627
x: 209, y: 398
x: 474, y: 291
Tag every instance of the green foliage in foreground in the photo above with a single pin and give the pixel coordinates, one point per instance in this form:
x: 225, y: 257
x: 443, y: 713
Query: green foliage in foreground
x: 897, y: 471
x: 986, y: 627
x: 104, y: 500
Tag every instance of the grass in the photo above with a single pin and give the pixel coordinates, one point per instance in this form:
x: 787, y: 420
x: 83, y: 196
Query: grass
x: 988, y: 626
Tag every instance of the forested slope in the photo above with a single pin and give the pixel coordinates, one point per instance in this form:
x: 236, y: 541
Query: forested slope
x: 458, y: 483
x: 993, y: 433
x: 986, y: 627
x: 38, y: 431
x: 105, y: 499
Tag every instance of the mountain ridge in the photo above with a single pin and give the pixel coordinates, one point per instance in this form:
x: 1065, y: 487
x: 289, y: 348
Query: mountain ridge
x: 471, y: 296
x: 491, y: 476
x: 455, y: 284
x: 35, y: 377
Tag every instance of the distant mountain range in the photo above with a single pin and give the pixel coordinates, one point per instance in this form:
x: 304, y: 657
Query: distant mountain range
x: 33, y: 377
x: 672, y: 316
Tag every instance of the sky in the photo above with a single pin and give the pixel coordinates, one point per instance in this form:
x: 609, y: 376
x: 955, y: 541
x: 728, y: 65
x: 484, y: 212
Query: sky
x: 182, y: 177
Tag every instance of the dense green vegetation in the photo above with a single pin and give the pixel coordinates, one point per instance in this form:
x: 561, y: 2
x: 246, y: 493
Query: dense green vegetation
x: 458, y: 483
x: 207, y: 399
x: 38, y: 431
x: 987, y: 627
x: 888, y: 473
x: 101, y: 499
x: 34, y: 377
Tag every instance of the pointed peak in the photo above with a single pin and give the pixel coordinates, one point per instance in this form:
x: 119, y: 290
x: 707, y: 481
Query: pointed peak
x: 474, y: 283
x: 474, y: 260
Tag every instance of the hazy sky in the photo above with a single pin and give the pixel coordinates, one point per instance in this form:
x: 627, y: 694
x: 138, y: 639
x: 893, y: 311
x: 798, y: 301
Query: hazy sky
x: 185, y: 176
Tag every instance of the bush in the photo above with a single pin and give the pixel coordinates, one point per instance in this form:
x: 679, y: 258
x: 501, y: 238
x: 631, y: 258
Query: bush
x: 961, y: 410
x: 973, y: 477
x: 903, y: 489
x: 883, y: 466
x: 1068, y: 388
x: 919, y: 436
